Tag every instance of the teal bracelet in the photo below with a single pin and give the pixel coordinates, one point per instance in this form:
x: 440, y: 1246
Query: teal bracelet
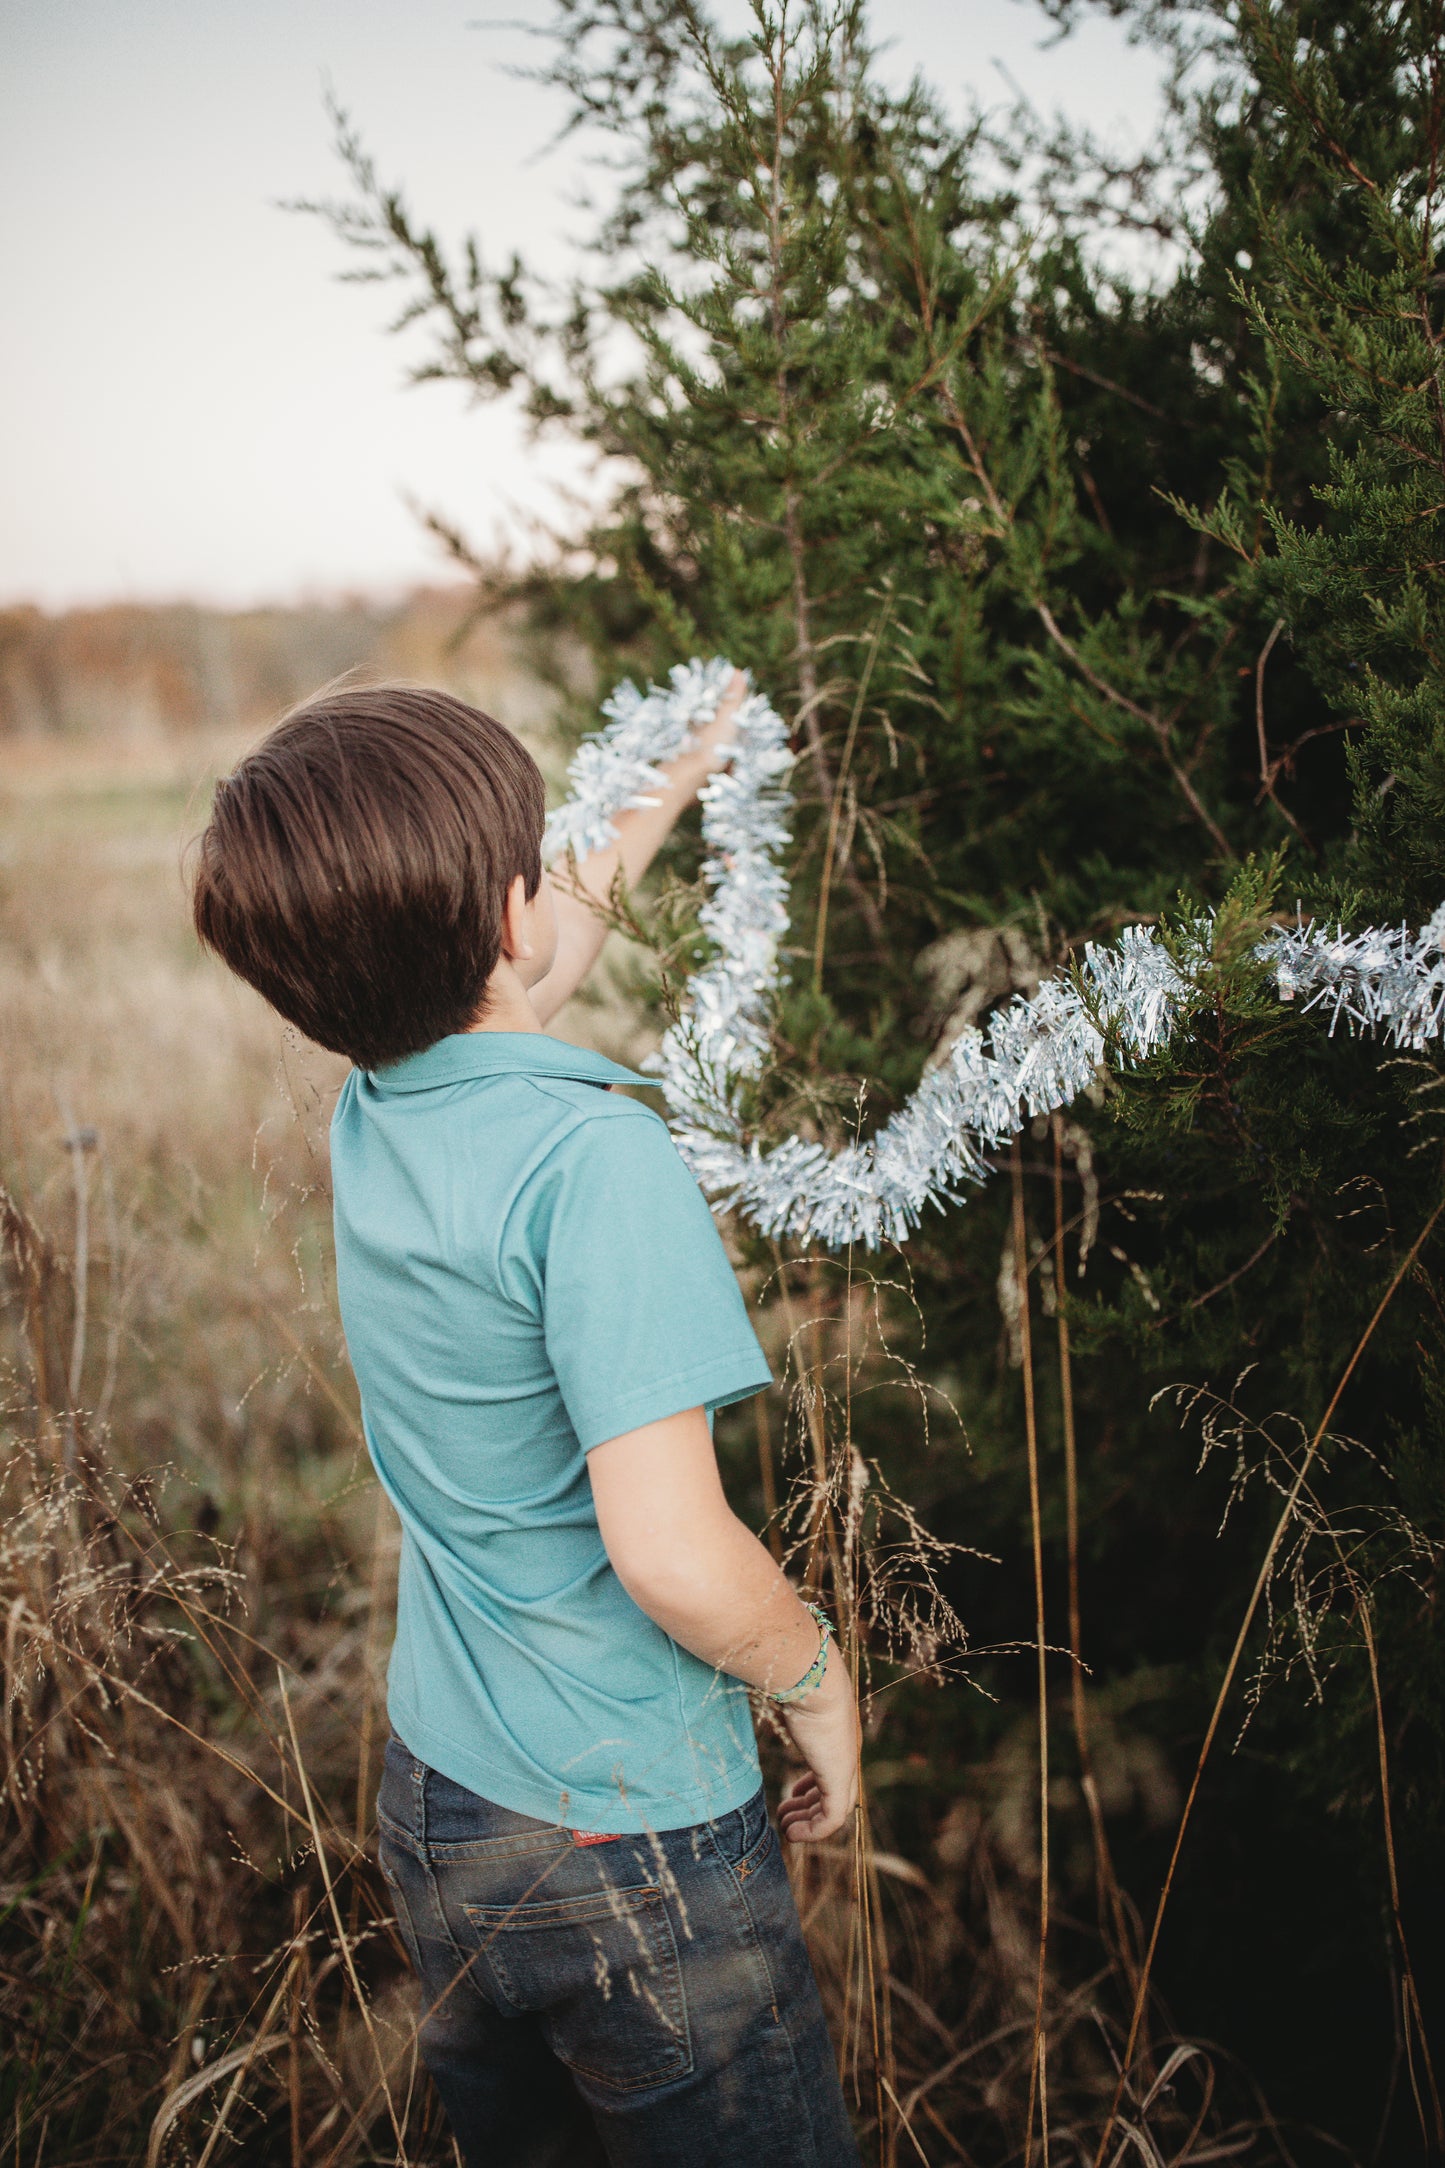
x: 813, y: 1676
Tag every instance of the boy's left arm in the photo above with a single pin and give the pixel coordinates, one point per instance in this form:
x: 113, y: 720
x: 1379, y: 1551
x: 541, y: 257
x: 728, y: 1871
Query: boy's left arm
x: 581, y: 929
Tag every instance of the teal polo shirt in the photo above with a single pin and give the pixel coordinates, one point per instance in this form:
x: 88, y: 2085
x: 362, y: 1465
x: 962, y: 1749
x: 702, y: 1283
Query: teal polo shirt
x: 525, y: 1269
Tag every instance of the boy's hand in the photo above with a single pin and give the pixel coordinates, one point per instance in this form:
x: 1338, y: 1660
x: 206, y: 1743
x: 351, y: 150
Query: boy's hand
x: 704, y: 747
x: 581, y: 925
x: 824, y: 1729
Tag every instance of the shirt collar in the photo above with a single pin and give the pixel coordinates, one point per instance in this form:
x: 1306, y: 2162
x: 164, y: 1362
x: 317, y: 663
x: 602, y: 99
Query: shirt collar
x: 467, y: 1055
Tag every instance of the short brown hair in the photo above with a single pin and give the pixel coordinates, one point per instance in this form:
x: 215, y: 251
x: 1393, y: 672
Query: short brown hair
x: 356, y: 865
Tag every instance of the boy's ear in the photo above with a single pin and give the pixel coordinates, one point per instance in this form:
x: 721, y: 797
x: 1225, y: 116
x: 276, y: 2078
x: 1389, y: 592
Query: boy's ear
x: 516, y: 943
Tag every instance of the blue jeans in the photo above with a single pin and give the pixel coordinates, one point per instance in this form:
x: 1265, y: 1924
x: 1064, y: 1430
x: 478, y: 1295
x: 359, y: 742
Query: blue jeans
x: 642, y: 2001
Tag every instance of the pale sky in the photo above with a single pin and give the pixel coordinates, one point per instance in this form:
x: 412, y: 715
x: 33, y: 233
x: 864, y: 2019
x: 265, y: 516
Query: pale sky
x: 191, y: 403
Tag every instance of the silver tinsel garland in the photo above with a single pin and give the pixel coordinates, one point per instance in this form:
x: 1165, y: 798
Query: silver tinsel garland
x: 1036, y: 1055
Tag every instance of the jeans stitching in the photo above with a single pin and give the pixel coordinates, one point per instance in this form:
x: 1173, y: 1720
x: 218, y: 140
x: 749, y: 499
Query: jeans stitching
x: 672, y: 1991
x: 750, y: 1861
x: 466, y: 1967
x: 404, y: 1920
x: 738, y: 1881
x: 460, y: 1853
x: 607, y: 1902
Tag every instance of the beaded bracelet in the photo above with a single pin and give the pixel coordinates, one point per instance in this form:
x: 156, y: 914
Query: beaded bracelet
x: 813, y: 1676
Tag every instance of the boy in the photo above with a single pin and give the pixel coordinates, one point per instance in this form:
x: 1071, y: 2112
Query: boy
x: 541, y: 1318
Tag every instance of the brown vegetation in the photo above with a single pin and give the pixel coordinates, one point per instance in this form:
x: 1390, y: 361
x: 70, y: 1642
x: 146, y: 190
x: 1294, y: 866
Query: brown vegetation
x: 197, y: 1959
x: 135, y: 676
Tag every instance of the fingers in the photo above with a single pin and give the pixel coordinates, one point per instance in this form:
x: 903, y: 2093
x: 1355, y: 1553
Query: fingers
x: 813, y: 1828
x: 710, y: 741
x: 734, y: 694
x: 804, y: 1824
x: 801, y: 1800
x: 807, y: 1813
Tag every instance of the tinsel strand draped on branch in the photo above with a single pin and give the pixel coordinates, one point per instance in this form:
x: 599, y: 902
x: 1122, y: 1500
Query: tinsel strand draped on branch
x: 1037, y: 1054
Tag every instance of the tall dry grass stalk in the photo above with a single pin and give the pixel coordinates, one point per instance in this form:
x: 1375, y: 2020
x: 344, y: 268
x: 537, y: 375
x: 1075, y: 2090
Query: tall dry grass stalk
x: 173, y: 1864
x: 1039, y: 2058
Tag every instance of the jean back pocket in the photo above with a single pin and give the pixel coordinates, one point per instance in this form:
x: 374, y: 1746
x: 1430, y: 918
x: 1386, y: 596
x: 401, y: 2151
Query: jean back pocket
x: 602, y: 1975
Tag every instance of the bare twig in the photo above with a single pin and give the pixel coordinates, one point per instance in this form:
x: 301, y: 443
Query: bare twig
x: 1197, y: 1302
x: 830, y: 847
x: 1268, y: 769
x: 1105, y: 383
x: 1156, y: 724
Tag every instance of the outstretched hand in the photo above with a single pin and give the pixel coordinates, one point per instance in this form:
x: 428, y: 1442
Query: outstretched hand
x: 707, y: 743
x: 582, y: 892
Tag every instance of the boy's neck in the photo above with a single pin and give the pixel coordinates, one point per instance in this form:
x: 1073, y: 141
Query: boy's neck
x: 506, y: 1004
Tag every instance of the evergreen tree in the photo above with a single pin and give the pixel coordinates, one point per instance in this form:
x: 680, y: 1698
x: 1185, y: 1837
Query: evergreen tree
x: 1091, y: 600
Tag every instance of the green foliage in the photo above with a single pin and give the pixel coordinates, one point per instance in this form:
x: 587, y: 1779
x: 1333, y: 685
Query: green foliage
x: 1096, y: 594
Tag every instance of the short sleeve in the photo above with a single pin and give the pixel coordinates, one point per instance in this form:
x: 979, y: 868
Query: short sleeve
x: 641, y: 1309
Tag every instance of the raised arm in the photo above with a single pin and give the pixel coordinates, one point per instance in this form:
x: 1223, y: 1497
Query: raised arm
x: 687, y: 1561
x: 581, y: 930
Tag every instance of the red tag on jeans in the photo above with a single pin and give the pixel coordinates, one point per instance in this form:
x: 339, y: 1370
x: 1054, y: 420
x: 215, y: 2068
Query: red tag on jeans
x: 580, y: 1836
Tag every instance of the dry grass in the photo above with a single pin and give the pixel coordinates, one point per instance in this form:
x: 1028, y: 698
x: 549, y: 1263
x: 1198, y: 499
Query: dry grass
x: 197, y: 1960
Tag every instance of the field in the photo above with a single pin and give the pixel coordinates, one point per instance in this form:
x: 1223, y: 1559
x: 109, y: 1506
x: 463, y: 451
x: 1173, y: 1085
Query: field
x: 197, y: 1959
x: 1099, y: 583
